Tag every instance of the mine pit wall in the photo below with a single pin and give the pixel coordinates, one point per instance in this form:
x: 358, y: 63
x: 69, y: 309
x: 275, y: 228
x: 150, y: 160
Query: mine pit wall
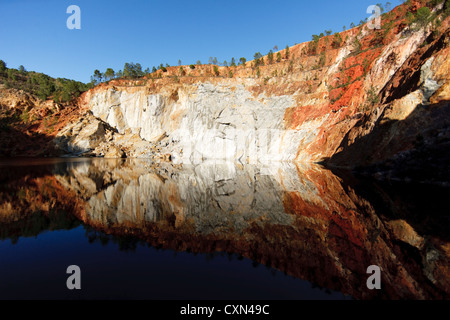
x: 249, y: 120
x: 206, y: 122
x: 222, y: 121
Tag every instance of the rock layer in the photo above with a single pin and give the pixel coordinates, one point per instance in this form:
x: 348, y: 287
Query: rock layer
x: 345, y: 105
x: 375, y: 98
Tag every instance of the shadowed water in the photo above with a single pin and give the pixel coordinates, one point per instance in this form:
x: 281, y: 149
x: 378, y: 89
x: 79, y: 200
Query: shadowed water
x: 216, y: 231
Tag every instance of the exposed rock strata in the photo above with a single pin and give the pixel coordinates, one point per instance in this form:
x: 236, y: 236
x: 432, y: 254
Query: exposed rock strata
x: 252, y: 120
x: 385, y: 101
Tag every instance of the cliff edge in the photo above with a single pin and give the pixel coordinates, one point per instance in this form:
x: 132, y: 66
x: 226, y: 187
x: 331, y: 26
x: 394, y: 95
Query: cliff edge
x: 373, y: 99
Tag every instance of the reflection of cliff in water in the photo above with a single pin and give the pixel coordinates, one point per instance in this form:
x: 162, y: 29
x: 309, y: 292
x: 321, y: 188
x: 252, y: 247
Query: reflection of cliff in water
x: 302, y: 220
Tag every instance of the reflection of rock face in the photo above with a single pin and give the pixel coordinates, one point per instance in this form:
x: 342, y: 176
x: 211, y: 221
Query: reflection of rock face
x: 300, y: 220
x: 211, y: 198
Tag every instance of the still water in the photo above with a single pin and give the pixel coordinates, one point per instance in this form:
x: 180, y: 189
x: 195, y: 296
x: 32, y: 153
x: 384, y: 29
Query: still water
x: 140, y: 230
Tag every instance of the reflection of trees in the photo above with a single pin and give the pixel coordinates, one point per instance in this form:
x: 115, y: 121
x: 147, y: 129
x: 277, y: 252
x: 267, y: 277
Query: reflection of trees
x: 126, y: 243
x: 31, y: 201
x: 36, y: 223
x: 94, y: 236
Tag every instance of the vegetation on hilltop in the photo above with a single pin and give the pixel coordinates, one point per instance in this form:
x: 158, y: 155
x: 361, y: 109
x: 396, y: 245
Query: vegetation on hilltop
x: 41, y: 85
x: 64, y: 90
x: 414, y: 19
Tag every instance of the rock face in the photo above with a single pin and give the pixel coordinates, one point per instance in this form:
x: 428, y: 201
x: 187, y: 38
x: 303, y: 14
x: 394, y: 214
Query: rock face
x: 207, y: 121
x: 345, y: 105
x: 25, y: 124
x: 83, y: 136
x: 377, y: 99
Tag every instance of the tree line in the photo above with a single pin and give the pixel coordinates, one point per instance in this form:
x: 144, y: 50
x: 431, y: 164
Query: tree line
x: 40, y: 84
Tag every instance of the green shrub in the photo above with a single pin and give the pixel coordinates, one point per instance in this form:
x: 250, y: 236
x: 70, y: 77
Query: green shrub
x: 337, y: 40
x: 2, y: 66
x: 291, y: 66
x: 422, y: 16
x: 258, y: 59
x: 216, y: 70
x: 372, y: 96
x: 270, y: 57
x: 25, y: 116
x: 356, y: 46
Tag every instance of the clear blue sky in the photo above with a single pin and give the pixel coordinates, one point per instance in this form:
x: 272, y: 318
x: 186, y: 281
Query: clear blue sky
x: 33, y: 33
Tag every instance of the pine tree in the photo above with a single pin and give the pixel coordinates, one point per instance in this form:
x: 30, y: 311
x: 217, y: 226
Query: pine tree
x: 2, y: 66
x: 109, y: 74
x: 278, y: 56
x: 270, y: 57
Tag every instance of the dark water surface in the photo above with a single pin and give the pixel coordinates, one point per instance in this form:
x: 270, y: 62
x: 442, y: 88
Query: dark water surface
x: 216, y: 231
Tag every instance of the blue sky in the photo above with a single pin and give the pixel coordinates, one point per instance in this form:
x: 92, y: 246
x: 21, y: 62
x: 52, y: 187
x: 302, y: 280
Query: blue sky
x: 33, y: 33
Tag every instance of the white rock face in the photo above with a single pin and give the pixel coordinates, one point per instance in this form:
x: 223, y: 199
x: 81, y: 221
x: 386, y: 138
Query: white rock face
x: 429, y: 84
x: 82, y: 136
x: 210, y: 122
